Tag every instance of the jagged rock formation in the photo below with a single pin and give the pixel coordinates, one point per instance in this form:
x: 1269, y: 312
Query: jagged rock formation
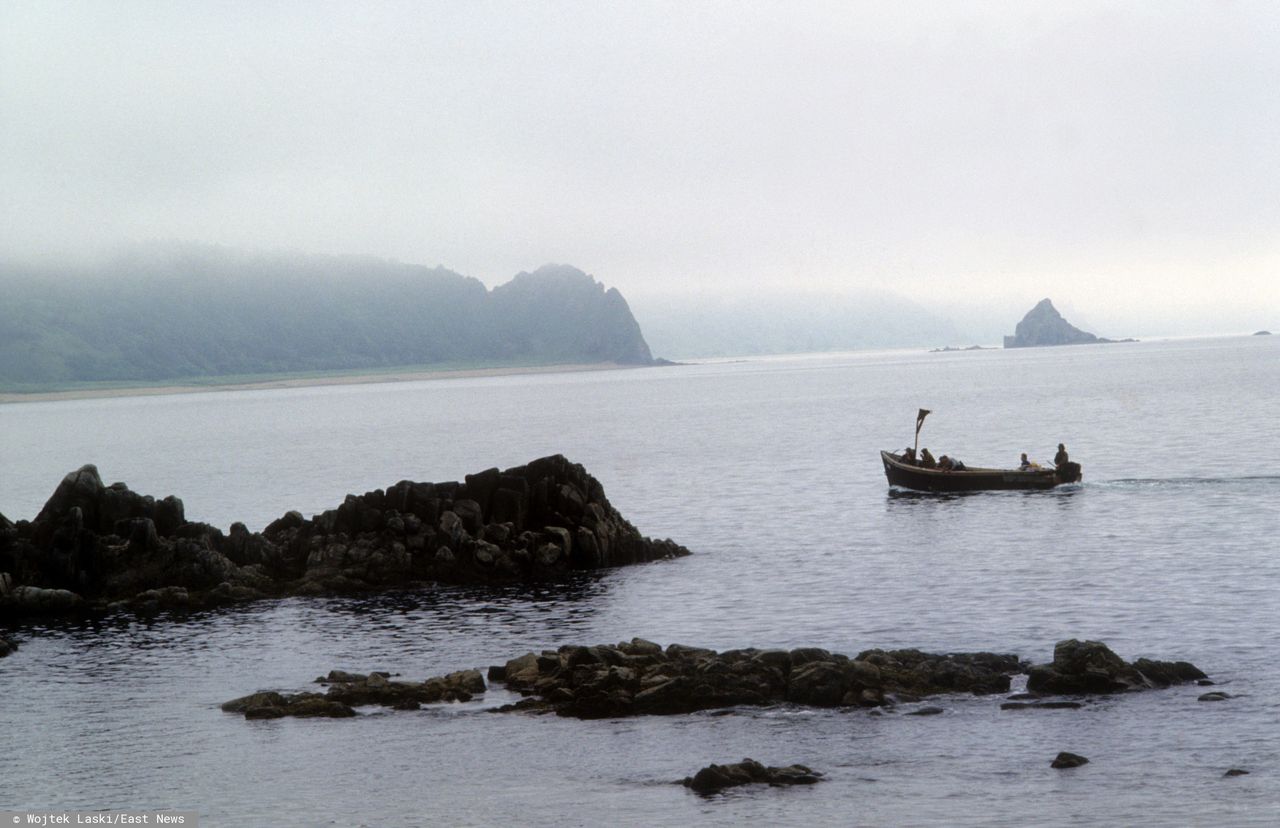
x: 1043, y: 325
x: 93, y: 545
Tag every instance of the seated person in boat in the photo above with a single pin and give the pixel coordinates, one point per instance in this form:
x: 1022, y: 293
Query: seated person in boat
x: 909, y: 456
x: 1061, y: 456
x: 926, y: 459
x: 950, y: 464
x: 1027, y: 465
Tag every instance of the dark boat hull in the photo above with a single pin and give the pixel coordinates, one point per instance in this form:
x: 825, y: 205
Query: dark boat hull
x: 974, y: 480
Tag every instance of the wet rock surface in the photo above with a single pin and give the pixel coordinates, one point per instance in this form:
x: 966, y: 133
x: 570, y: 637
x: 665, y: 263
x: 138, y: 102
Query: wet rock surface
x: 640, y: 677
x: 1090, y: 667
x: 7, y: 646
x: 346, y: 691
x: 95, y: 546
x: 1068, y: 760
x: 715, y: 778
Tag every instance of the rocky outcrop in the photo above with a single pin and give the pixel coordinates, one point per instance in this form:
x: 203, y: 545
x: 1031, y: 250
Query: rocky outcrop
x: 640, y: 677
x: 1087, y: 667
x: 715, y: 778
x: 1043, y: 325
x: 94, y: 545
x: 7, y: 646
x: 350, y: 690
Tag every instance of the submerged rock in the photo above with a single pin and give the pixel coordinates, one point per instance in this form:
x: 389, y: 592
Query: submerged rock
x: 350, y: 690
x: 749, y: 772
x: 1068, y: 760
x: 94, y: 545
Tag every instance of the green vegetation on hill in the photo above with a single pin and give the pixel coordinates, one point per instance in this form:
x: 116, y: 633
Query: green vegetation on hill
x: 171, y: 314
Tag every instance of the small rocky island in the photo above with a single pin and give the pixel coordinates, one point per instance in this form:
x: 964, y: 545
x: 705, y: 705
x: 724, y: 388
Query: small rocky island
x: 96, y: 547
x: 1043, y: 325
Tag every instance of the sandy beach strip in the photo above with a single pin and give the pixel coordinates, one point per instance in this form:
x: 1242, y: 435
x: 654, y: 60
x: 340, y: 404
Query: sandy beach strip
x: 408, y: 375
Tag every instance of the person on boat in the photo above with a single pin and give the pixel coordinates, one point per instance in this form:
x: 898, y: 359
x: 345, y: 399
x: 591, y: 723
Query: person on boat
x: 945, y: 463
x: 909, y: 456
x: 926, y: 459
x: 956, y: 465
x: 1027, y: 465
x: 1061, y: 456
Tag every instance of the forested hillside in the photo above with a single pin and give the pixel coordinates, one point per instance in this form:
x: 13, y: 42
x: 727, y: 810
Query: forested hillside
x: 174, y: 313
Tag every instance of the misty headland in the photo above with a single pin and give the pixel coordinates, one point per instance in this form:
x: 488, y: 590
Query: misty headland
x: 184, y: 313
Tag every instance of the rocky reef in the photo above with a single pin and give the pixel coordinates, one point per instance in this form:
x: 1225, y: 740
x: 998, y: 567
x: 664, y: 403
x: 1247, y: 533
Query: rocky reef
x: 640, y: 677
x: 95, y: 546
x: 1043, y: 325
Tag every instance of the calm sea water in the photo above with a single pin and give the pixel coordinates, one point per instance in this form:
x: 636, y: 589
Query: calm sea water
x: 768, y: 470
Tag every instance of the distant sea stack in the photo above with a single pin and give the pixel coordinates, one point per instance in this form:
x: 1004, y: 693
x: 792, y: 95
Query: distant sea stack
x: 1043, y: 325
x: 169, y: 314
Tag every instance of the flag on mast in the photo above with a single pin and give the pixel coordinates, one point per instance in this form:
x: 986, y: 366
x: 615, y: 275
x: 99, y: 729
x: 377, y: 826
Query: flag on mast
x: 924, y: 412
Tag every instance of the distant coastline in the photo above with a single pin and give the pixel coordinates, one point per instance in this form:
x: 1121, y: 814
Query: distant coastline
x: 303, y: 381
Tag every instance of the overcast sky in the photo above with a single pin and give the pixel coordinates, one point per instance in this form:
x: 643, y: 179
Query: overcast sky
x: 1123, y: 158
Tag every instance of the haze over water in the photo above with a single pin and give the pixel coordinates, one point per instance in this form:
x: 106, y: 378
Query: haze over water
x: 768, y: 470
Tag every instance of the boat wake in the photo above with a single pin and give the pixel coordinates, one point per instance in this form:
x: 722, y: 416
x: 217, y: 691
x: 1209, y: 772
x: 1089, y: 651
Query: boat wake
x: 1187, y: 482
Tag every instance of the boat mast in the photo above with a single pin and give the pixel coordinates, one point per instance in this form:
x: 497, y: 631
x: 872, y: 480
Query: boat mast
x: 924, y: 412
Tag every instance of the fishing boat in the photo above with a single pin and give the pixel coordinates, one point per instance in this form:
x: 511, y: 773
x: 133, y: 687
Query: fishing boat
x: 901, y: 471
x: 971, y: 479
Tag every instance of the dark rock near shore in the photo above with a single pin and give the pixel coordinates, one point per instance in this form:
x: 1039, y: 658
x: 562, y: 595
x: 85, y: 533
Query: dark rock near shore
x: 1236, y: 772
x: 7, y: 646
x: 715, y: 778
x: 94, y: 546
x: 350, y: 690
x: 1214, y: 696
x: 1087, y: 667
x: 1068, y: 760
